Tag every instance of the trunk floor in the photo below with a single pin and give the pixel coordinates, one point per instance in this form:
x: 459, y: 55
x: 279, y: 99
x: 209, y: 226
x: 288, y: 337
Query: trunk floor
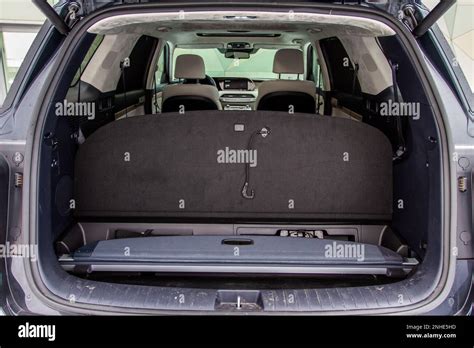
x: 241, y: 282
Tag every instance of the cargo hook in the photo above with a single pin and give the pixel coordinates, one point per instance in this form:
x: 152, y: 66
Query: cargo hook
x: 264, y: 132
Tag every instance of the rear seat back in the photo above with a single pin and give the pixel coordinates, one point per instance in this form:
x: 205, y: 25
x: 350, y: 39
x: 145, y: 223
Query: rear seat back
x: 196, y: 166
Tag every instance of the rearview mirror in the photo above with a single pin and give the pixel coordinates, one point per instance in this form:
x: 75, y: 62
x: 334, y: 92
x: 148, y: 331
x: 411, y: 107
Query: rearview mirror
x: 237, y: 55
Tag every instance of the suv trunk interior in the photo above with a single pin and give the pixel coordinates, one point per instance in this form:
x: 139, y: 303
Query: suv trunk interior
x: 256, y: 193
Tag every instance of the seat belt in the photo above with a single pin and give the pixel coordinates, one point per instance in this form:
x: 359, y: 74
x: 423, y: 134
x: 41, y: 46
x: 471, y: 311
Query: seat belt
x: 319, y: 89
x: 354, y: 78
x: 78, y: 135
x: 125, y: 63
x: 401, y: 149
x: 79, y: 85
x: 155, y: 101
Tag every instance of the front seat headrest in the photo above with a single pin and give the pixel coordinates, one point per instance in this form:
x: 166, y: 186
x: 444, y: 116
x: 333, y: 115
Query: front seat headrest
x: 189, y: 66
x: 288, y: 61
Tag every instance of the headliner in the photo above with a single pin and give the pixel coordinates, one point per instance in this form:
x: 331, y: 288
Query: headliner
x: 182, y: 28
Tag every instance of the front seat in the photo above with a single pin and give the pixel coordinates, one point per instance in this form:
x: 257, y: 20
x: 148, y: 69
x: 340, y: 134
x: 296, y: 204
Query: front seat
x: 287, y: 95
x: 190, y: 96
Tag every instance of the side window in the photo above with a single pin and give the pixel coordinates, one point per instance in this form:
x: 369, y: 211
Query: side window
x: 160, y: 79
x: 14, y: 46
x: 134, y: 77
x: 458, y: 31
x: 317, y: 73
x: 342, y: 71
x: 90, y: 53
x: 160, y: 68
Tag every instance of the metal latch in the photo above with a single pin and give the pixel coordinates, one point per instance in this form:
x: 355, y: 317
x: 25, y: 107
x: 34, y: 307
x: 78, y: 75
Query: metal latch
x: 239, y: 300
x: 18, y: 180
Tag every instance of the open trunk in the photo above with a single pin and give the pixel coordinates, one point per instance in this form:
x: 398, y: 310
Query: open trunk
x: 302, y: 194
x: 231, y: 210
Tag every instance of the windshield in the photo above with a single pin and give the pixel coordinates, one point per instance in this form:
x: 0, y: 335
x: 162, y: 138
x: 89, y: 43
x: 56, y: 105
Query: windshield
x: 258, y: 67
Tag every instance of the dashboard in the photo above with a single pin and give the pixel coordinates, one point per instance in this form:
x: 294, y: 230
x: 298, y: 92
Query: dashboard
x: 236, y: 93
x: 234, y: 83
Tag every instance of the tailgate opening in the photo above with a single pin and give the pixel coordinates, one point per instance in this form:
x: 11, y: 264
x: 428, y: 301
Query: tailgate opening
x: 155, y: 201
